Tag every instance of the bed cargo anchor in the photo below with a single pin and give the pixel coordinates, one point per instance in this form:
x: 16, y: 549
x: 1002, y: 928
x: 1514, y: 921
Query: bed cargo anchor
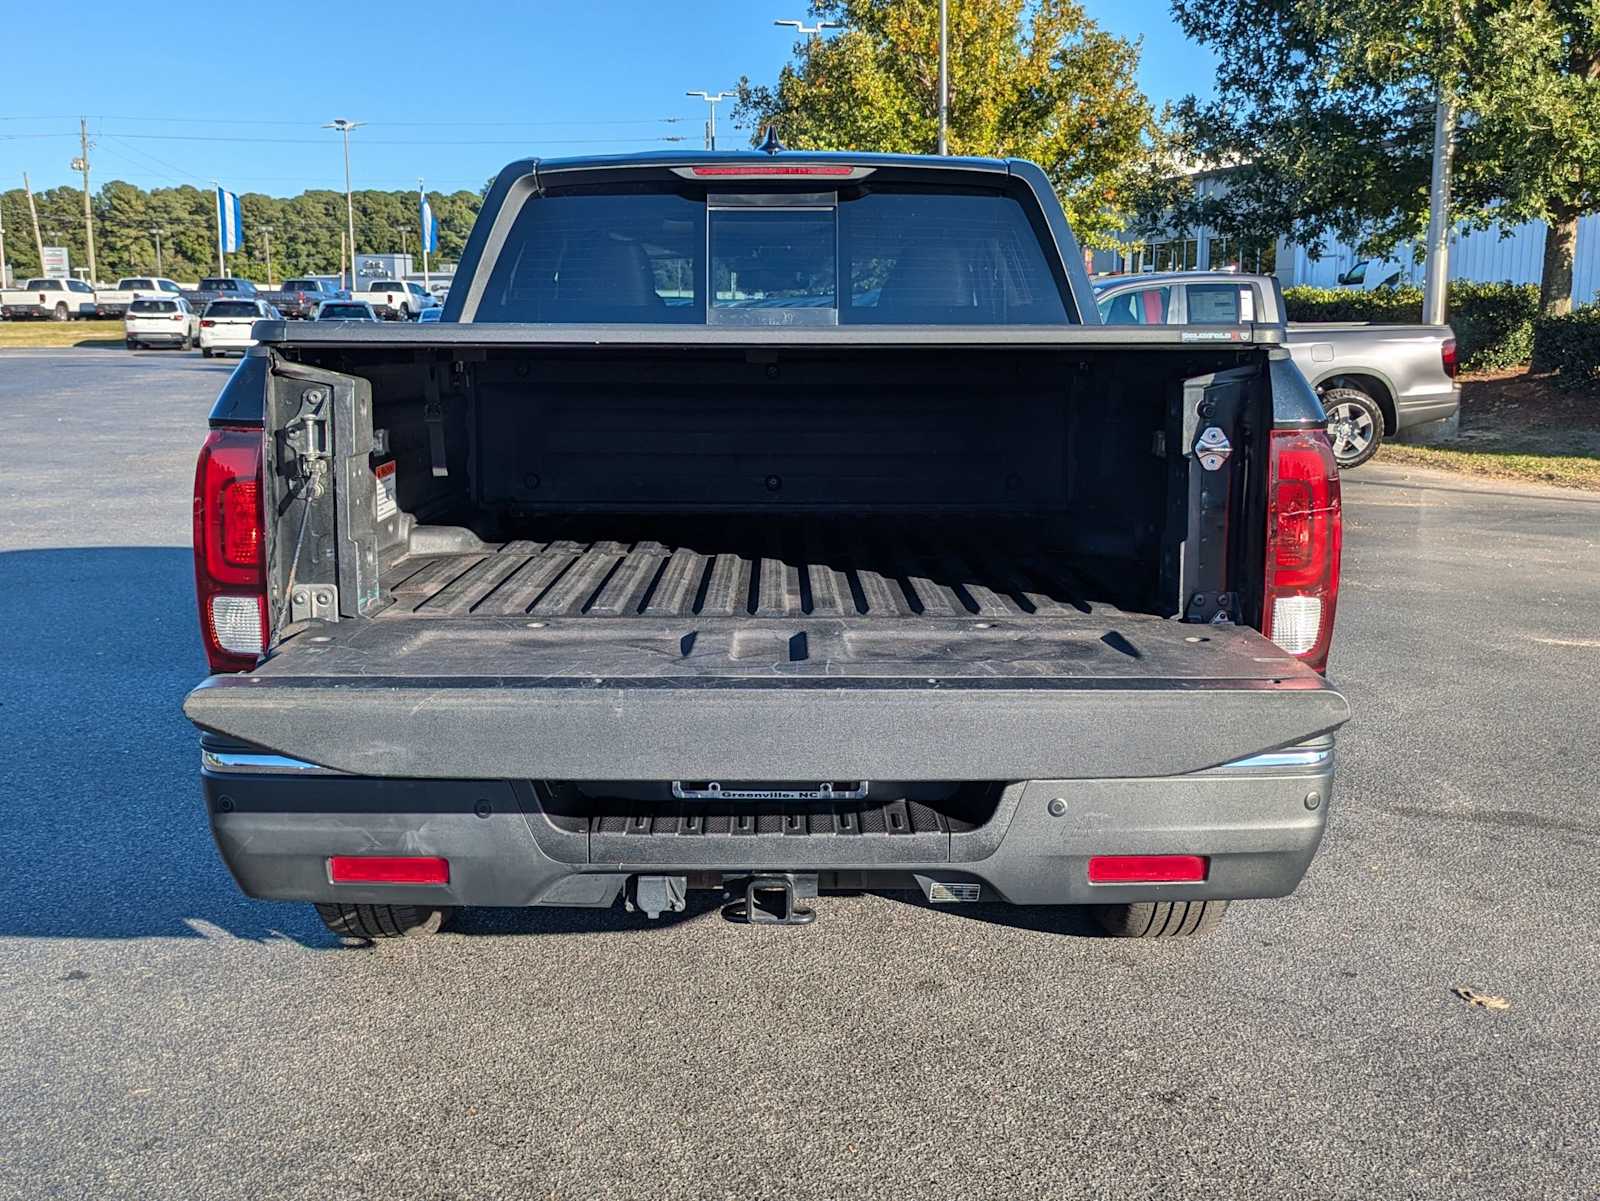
x: 774, y: 901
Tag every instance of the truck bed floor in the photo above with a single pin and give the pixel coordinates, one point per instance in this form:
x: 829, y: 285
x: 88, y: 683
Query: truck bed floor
x: 680, y: 566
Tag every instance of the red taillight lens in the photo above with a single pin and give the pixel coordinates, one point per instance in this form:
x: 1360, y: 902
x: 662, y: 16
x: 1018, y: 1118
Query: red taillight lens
x: 388, y: 869
x: 229, y: 573
x: 1304, y: 534
x: 1148, y: 869
x: 207, y: 323
x: 1447, y: 354
x: 177, y: 316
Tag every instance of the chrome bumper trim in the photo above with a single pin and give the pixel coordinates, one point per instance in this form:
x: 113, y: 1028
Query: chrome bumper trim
x: 256, y: 763
x: 1316, y: 756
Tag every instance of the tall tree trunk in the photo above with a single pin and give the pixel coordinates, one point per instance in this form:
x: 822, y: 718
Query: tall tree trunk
x: 1555, y: 285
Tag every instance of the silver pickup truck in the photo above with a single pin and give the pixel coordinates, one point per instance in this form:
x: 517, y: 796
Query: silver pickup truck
x: 1374, y: 380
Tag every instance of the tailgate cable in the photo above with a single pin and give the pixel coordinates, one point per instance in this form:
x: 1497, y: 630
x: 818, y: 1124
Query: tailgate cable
x: 312, y: 468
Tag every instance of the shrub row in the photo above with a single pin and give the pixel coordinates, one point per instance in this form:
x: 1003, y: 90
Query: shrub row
x: 1493, y: 323
x: 1570, y: 345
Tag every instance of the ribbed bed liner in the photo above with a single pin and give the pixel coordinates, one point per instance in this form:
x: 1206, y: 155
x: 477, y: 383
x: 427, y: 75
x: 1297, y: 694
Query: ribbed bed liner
x: 771, y: 566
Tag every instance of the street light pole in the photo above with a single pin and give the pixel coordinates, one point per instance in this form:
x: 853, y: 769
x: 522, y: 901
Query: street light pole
x: 1436, y: 280
x: 267, y: 230
x: 712, y: 99
x: 944, y: 76
x: 344, y: 127
x: 156, y: 234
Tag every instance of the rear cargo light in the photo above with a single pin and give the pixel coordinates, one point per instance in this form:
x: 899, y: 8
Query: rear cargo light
x: 1447, y: 355
x: 1148, y: 869
x: 388, y: 869
x: 229, y: 569
x: 1304, y: 533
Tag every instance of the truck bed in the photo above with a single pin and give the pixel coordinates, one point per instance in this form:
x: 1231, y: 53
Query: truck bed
x: 674, y: 565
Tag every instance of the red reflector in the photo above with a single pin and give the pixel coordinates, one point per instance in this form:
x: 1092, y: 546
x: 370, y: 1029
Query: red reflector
x: 766, y: 172
x: 1147, y: 869
x: 241, y: 525
x: 388, y: 869
x: 1447, y: 353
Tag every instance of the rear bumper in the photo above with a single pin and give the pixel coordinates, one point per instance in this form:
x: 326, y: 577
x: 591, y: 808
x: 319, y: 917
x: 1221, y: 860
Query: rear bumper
x: 1425, y: 404
x: 162, y: 338
x: 275, y: 823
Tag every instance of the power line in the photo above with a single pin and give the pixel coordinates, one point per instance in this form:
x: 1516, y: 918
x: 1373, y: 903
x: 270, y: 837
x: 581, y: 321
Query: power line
x: 303, y: 124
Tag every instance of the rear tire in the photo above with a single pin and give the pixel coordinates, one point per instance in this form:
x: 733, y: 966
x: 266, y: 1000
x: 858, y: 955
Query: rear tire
x: 130, y: 343
x: 60, y: 313
x: 1160, y: 919
x: 1355, y: 425
x: 373, y: 922
x: 208, y: 352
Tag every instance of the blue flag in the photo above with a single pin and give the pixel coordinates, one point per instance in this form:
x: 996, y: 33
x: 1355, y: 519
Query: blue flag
x: 230, y: 220
x: 430, y: 225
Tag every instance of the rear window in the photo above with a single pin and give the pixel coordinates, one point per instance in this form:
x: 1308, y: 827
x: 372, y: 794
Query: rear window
x: 128, y: 285
x: 218, y: 285
x: 153, y: 306
x: 890, y: 256
x: 232, y: 308
x: 303, y: 285
x: 343, y: 311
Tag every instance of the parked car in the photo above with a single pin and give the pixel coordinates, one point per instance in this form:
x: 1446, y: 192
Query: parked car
x: 214, y: 287
x: 396, y: 300
x: 345, y: 310
x: 1369, y: 275
x: 49, y: 300
x: 764, y: 546
x: 227, y: 325
x: 170, y: 322
x: 298, y: 298
x: 114, y: 302
x: 1373, y: 380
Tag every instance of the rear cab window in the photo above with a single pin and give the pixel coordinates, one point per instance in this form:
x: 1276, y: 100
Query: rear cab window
x: 867, y: 255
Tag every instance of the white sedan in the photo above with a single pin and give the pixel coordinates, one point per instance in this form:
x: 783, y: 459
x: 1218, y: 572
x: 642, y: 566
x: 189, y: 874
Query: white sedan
x: 225, y: 326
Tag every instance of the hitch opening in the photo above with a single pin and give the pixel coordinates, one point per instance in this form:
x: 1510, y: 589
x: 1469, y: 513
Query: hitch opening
x: 774, y: 901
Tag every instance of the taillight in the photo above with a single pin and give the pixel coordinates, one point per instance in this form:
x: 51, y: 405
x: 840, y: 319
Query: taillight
x: 1447, y: 356
x: 1304, y: 532
x: 229, y: 560
x: 207, y: 323
x: 766, y: 171
x: 177, y: 316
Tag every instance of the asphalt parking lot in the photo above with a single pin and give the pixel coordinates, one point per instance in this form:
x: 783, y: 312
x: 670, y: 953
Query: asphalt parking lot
x: 162, y: 1036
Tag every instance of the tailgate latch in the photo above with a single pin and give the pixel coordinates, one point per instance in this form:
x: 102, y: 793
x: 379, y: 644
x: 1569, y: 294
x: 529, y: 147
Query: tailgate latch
x: 1212, y: 448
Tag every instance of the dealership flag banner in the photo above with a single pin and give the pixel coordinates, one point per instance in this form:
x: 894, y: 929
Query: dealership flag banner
x: 230, y: 226
x: 430, y: 231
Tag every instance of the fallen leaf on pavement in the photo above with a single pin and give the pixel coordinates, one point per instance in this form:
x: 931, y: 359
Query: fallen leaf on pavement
x: 1482, y: 1000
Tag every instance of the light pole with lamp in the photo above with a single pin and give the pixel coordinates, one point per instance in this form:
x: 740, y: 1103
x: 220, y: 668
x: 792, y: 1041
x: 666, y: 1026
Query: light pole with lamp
x: 156, y: 234
x: 344, y: 127
x: 712, y: 99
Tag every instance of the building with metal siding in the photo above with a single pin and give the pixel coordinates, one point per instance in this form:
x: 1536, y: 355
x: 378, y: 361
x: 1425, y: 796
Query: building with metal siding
x: 1487, y: 256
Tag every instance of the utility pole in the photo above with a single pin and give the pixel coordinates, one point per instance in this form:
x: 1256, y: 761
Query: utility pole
x: 944, y: 76
x: 156, y: 234
x: 344, y: 127
x: 81, y: 163
x: 267, y: 230
x: 33, y: 211
x: 1436, y: 281
x: 712, y: 99
x: 5, y: 276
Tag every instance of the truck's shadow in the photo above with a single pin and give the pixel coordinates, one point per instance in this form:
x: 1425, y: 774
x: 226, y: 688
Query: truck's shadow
x: 105, y: 836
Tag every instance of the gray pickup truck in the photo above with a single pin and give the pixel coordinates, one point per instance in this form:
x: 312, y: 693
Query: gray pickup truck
x: 767, y: 523
x: 1374, y: 380
x: 298, y: 299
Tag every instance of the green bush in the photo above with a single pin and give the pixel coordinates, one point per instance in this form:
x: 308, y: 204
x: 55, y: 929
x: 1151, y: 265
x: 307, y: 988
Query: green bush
x: 1570, y: 345
x: 1493, y: 323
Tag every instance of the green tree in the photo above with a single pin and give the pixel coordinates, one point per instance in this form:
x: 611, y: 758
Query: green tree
x: 1032, y: 79
x: 1326, y: 112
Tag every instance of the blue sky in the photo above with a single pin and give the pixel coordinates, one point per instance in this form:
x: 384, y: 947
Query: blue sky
x: 451, y: 90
